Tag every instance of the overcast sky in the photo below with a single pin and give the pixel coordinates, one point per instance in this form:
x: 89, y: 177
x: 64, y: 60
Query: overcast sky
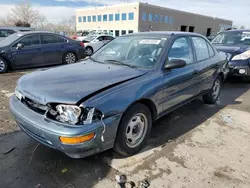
x: 55, y: 10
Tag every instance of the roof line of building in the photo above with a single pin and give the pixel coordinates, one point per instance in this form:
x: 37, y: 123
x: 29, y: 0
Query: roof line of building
x: 150, y: 5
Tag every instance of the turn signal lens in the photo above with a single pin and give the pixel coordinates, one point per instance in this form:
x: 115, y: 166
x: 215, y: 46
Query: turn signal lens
x: 76, y: 140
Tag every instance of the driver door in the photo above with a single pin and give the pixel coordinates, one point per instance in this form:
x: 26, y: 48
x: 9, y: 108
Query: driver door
x: 31, y: 52
x: 179, y: 83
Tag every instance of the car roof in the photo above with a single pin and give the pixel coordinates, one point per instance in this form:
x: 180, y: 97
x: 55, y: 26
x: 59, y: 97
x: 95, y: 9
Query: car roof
x: 164, y: 33
x: 36, y: 32
x: 236, y: 30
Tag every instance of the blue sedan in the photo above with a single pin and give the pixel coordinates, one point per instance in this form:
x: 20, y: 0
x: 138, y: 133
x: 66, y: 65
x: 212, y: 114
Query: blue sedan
x: 111, y: 99
x: 36, y: 49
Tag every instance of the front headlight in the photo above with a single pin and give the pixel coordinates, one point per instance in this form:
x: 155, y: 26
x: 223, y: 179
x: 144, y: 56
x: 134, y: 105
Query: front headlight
x: 68, y: 113
x: 243, y: 56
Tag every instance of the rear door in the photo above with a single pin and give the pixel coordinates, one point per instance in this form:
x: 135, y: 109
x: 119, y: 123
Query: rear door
x: 30, y: 54
x: 206, y: 63
x: 179, y: 83
x: 53, y: 48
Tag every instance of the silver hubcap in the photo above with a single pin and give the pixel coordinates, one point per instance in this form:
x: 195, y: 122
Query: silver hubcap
x: 88, y: 51
x: 136, y: 130
x: 2, y: 65
x: 216, y: 89
x: 70, y: 58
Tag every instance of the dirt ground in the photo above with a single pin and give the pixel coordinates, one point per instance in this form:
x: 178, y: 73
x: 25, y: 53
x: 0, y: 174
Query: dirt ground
x: 197, y: 145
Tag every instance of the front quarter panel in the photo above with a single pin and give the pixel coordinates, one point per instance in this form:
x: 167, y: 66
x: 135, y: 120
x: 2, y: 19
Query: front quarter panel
x: 117, y: 99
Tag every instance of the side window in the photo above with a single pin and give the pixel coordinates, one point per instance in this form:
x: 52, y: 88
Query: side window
x: 49, y: 39
x: 101, y: 38
x: 201, y: 49
x: 29, y: 41
x: 62, y: 40
x: 181, y: 49
x: 108, y: 38
x: 210, y: 50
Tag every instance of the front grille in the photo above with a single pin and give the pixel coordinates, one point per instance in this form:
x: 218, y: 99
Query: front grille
x: 39, y: 108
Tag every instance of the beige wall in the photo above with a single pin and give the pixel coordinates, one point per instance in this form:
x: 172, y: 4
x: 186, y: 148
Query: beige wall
x: 201, y: 23
x: 110, y: 25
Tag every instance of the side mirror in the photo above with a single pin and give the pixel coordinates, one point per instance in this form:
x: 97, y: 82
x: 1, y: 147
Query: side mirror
x: 175, y: 63
x: 19, y: 46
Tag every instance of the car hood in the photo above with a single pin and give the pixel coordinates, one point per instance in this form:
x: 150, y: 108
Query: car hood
x: 70, y: 83
x: 234, y: 50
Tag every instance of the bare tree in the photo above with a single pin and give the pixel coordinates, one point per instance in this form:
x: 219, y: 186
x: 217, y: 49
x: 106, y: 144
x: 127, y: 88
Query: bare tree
x: 23, y: 13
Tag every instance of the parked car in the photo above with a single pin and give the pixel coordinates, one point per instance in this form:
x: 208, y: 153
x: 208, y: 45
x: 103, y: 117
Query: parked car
x: 111, y: 100
x: 6, y: 31
x: 94, y: 42
x: 211, y: 37
x: 237, y: 44
x: 35, y: 49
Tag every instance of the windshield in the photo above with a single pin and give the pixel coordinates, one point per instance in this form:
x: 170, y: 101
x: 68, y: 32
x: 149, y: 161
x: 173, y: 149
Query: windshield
x: 10, y: 39
x: 233, y: 38
x: 90, y: 37
x: 135, y: 51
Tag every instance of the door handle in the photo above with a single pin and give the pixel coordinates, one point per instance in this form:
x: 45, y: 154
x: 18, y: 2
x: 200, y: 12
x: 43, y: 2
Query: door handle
x: 195, y: 72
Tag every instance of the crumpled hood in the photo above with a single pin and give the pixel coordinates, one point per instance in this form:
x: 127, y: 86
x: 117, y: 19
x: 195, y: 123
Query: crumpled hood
x: 71, y: 83
x: 234, y: 50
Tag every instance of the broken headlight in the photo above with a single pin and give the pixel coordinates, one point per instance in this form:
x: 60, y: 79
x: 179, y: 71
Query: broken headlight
x: 68, y: 113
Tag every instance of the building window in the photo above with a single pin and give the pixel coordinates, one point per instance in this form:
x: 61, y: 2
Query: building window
x: 79, y: 19
x: 156, y: 18
x: 131, y: 16
x: 124, y: 16
x: 111, y: 18
x: 150, y: 17
x: 166, y: 19
x: 144, y: 16
x: 117, y: 17
x: 117, y: 33
x: 99, y: 18
x: 130, y: 31
x: 161, y: 18
x: 89, y: 18
x: 123, y: 32
x: 84, y: 19
x: 105, y: 18
x: 94, y: 18
x: 111, y: 32
x: 171, y: 20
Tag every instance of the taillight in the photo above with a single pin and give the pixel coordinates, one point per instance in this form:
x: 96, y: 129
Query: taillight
x: 82, y: 44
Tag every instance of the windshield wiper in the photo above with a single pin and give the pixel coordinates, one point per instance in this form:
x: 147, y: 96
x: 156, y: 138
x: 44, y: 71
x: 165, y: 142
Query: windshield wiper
x: 113, y: 61
x: 95, y: 60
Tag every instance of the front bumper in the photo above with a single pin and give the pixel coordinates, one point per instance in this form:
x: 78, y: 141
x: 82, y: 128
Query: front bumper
x: 48, y: 132
x: 239, y: 68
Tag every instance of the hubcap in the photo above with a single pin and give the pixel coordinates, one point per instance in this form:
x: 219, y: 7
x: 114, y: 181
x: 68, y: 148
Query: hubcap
x: 136, y: 130
x: 2, y: 65
x: 88, y: 51
x: 216, y: 89
x: 70, y: 58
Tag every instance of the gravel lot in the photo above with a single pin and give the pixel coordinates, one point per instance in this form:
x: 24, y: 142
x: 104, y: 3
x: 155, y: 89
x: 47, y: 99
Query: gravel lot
x: 195, y: 146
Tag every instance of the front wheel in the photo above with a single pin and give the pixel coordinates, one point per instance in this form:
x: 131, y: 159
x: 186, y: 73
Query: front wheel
x: 212, y: 96
x: 134, y: 130
x: 69, y: 58
x: 3, y: 65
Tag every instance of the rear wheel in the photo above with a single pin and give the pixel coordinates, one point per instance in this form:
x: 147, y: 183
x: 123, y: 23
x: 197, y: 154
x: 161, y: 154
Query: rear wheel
x: 212, y: 96
x: 69, y: 58
x: 89, y: 51
x: 134, y: 130
x: 3, y: 65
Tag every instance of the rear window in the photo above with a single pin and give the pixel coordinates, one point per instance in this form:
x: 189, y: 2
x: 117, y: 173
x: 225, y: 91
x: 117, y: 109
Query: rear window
x: 6, y: 32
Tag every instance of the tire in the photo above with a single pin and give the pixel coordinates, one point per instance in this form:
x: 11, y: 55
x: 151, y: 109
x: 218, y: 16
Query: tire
x: 134, y: 129
x: 3, y: 65
x: 212, y: 96
x: 89, y: 51
x: 69, y: 58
